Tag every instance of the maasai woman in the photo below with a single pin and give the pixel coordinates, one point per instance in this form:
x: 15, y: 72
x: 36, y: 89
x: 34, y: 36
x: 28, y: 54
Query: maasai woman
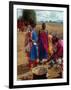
x: 34, y: 49
x: 58, y: 48
x: 43, y: 44
x: 57, y: 51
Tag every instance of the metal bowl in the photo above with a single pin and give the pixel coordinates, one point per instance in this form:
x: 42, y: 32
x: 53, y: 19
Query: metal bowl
x: 39, y: 72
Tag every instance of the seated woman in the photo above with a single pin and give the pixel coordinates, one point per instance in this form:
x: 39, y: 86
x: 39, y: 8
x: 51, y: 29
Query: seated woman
x: 43, y: 44
x: 57, y: 51
x: 57, y: 56
x: 58, y: 48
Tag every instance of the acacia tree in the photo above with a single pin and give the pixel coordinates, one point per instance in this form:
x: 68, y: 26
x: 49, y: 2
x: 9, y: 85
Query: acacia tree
x: 29, y: 15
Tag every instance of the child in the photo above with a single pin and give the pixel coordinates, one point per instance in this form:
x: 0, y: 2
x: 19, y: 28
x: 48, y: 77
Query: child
x: 43, y: 44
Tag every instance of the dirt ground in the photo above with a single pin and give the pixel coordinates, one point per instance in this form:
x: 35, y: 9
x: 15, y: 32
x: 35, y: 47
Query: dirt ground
x: 22, y: 60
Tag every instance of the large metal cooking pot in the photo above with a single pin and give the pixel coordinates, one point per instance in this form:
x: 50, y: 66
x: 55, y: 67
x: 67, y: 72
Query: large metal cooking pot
x: 39, y: 72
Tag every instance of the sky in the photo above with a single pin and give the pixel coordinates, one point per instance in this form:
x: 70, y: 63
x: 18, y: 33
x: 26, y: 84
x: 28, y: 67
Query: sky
x: 49, y: 15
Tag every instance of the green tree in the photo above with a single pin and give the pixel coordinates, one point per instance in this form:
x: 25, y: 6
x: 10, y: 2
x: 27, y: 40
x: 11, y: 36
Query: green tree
x: 29, y: 15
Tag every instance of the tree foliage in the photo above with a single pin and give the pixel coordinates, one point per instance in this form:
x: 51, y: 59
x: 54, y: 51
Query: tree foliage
x: 29, y: 15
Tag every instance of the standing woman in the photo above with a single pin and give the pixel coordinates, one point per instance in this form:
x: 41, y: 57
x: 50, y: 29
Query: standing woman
x: 34, y: 49
x: 43, y: 44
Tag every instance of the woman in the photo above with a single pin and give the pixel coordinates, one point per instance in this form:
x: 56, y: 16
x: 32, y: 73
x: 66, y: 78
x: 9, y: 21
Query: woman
x: 43, y: 44
x: 58, y: 48
x: 34, y: 48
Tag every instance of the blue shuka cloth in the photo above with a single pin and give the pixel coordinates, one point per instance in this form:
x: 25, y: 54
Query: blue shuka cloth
x: 33, y: 53
x: 34, y: 36
x: 34, y: 50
